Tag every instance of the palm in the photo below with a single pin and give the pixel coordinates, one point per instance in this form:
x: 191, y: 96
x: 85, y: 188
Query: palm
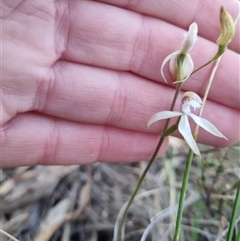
x: 31, y: 52
x: 81, y: 79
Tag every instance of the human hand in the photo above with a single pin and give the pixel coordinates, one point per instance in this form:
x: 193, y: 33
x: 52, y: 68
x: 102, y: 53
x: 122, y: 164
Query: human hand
x: 80, y: 79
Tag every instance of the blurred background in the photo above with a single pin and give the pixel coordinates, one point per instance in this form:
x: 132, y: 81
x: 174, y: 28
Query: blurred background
x: 81, y: 203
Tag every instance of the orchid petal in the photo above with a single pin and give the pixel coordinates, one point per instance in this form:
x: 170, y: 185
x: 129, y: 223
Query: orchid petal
x: 166, y: 60
x: 162, y: 116
x: 187, y: 69
x: 185, y: 130
x: 207, y: 125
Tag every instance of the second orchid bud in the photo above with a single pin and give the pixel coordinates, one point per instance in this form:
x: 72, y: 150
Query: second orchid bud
x: 227, y: 27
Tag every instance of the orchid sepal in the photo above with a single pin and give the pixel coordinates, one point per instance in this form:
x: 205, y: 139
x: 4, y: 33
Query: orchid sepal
x: 176, y: 53
x: 207, y: 126
x: 163, y: 115
x: 185, y: 130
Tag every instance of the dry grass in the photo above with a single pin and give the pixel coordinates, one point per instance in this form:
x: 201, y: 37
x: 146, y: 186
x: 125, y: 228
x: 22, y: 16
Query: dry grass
x: 81, y: 203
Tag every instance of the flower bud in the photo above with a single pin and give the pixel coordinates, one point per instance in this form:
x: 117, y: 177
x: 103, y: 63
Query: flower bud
x: 190, y: 39
x: 186, y: 68
x: 181, y: 64
x: 227, y: 27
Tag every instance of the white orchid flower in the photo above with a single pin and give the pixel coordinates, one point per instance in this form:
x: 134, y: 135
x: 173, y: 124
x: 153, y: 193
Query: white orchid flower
x: 190, y: 99
x: 187, y: 64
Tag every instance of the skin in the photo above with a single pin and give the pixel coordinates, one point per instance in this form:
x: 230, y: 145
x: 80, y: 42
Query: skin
x: 80, y: 79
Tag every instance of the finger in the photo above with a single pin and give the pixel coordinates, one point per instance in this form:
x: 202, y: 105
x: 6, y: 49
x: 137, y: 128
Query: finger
x: 31, y: 139
x: 121, y: 40
x: 90, y: 95
x: 183, y: 13
x: 76, y: 81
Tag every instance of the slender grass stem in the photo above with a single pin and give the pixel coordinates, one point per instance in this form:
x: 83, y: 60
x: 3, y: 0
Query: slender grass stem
x: 237, y: 198
x: 234, y: 215
x: 8, y: 235
x: 190, y: 158
x: 214, y: 70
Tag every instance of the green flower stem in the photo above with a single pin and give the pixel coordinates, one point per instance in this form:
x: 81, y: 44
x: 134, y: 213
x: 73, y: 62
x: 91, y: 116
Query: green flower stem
x: 119, y: 233
x: 137, y: 187
x: 190, y: 158
x: 234, y: 215
x: 183, y: 195
x: 238, y: 235
x: 221, y: 50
